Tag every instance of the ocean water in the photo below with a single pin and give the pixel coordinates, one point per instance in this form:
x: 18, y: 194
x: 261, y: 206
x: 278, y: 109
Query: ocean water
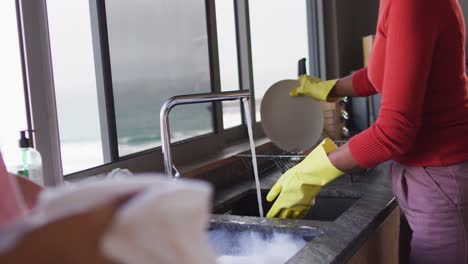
x: 140, y: 131
x: 81, y: 155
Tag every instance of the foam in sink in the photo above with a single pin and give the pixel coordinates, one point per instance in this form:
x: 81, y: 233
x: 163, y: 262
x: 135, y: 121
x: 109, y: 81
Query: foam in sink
x: 254, y: 247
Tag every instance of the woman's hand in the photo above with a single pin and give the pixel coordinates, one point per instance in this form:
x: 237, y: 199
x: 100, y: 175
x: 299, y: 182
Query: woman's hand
x: 72, y: 239
x: 315, y: 88
x: 343, y: 87
x: 327, y: 91
x: 295, y: 190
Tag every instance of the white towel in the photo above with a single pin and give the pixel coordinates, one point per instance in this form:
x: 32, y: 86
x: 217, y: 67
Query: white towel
x: 165, y: 223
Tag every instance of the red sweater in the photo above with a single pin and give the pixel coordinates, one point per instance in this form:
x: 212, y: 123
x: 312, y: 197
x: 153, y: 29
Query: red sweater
x: 418, y: 66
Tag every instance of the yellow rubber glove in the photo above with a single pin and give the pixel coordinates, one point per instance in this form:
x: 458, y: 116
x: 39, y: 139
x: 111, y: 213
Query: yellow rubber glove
x: 298, y: 187
x: 315, y: 88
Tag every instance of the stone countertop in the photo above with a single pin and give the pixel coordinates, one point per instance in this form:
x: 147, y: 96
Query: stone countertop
x: 340, y: 239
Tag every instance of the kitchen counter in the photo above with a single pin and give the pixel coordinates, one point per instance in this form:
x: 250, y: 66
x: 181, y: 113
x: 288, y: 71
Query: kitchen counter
x: 336, y: 241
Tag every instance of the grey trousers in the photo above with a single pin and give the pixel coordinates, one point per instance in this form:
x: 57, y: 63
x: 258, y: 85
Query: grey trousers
x: 435, y: 203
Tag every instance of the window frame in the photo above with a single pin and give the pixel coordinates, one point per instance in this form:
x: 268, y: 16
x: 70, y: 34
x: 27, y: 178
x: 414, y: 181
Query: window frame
x: 37, y: 68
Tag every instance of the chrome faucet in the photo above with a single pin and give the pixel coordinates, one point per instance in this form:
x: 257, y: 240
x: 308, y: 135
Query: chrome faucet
x: 189, y: 99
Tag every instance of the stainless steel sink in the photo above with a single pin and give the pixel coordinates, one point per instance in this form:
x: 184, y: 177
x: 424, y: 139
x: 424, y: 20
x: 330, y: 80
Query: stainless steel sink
x: 327, y: 207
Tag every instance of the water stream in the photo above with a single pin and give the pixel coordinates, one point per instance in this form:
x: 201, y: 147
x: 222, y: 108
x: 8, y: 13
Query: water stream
x: 254, y: 156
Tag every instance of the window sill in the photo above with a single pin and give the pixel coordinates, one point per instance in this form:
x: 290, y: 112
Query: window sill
x: 196, y: 168
x: 222, y: 158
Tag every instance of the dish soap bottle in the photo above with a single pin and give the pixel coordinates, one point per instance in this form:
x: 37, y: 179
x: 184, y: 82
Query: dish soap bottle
x: 31, y: 162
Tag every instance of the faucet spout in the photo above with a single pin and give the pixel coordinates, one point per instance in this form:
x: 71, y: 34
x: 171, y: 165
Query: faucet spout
x: 183, y: 100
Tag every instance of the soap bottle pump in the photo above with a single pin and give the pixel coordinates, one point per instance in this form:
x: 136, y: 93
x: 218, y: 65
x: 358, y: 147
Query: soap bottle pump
x: 31, y: 162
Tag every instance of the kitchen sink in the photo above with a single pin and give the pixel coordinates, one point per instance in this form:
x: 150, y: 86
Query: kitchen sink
x: 327, y: 207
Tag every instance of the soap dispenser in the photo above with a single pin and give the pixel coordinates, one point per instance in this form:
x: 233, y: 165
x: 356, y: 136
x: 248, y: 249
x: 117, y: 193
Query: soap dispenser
x: 30, y: 163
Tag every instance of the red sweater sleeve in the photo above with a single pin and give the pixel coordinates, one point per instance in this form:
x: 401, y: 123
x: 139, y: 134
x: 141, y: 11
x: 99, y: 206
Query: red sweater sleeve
x: 412, y: 28
x: 361, y: 83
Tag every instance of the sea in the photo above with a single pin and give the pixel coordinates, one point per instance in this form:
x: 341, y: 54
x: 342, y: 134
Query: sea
x: 139, y: 131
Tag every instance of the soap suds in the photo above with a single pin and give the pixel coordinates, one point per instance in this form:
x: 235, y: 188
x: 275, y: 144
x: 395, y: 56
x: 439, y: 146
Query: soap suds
x: 254, y: 247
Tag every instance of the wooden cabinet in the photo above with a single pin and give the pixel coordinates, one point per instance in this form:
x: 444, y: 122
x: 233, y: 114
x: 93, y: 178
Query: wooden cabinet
x: 382, y: 245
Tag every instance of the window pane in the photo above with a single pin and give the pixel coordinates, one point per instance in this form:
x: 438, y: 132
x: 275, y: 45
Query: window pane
x: 227, y: 50
x: 158, y: 49
x: 12, y: 105
x: 75, y: 84
x: 279, y: 39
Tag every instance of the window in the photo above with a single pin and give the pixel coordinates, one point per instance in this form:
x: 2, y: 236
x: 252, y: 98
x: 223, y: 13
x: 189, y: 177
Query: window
x: 12, y: 100
x: 116, y: 62
x: 158, y: 49
x: 228, y: 59
x: 75, y: 84
x: 279, y: 39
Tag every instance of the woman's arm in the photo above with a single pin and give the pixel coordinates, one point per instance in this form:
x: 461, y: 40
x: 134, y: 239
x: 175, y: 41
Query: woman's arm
x: 411, y: 38
x: 356, y: 84
x: 29, y: 190
x: 343, y: 87
x: 342, y: 159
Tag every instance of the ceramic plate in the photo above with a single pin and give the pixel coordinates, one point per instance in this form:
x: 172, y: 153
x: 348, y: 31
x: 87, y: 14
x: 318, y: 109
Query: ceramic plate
x: 291, y: 123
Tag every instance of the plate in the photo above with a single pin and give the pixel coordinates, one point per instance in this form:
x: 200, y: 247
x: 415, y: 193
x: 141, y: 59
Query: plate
x: 294, y: 124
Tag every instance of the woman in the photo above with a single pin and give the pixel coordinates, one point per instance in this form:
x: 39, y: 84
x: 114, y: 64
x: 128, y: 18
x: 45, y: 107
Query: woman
x: 72, y: 239
x: 418, y: 66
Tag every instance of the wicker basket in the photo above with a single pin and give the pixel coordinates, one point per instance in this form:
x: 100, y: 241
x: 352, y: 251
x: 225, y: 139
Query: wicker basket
x: 333, y: 127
